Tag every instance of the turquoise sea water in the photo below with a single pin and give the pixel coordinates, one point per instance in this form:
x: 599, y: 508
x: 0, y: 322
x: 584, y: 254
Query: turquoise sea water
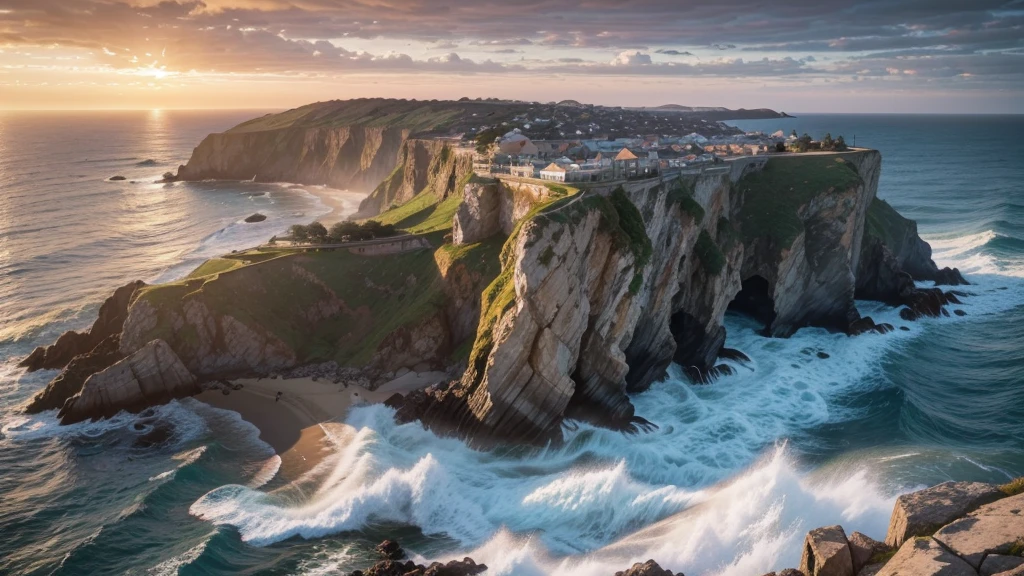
x: 728, y: 484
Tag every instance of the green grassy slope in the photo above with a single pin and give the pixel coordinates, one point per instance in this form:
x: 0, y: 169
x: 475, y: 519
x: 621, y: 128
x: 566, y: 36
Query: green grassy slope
x: 773, y: 196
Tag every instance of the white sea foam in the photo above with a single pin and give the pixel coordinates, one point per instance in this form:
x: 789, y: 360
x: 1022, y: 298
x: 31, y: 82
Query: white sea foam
x: 172, y: 566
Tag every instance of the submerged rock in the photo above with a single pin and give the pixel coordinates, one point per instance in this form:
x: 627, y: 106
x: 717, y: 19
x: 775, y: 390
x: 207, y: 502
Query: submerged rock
x: 257, y: 217
x: 153, y: 375
x: 117, y: 178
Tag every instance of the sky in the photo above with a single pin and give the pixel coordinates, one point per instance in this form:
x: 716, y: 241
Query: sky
x: 927, y: 56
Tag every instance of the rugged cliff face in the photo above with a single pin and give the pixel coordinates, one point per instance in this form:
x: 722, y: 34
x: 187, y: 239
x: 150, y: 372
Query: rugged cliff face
x: 430, y: 166
x: 601, y: 291
x: 346, y: 157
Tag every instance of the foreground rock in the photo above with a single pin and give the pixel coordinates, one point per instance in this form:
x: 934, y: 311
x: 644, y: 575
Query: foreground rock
x: 996, y: 528
x: 153, y: 375
x: 924, y: 512
x: 111, y: 319
x: 978, y: 531
x: 923, y: 557
x: 391, y: 565
x: 649, y: 568
x: 827, y: 553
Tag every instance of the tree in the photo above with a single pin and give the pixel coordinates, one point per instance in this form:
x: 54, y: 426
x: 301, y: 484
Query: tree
x: 840, y: 144
x: 793, y: 133
x: 345, y: 230
x: 299, y: 233
x: 780, y: 147
x: 317, y: 232
x: 827, y: 143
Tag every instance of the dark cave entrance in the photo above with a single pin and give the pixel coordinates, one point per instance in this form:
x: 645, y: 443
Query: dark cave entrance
x: 755, y: 300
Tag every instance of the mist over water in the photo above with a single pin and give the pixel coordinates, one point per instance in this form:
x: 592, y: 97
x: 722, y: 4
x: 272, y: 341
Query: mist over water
x: 730, y: 481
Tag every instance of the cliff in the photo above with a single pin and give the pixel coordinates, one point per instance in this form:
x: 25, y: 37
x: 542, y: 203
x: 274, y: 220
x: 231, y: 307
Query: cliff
x: 599, y: 292
x: 557, y: 302
x: 391, y: 146
x: 425, y: 166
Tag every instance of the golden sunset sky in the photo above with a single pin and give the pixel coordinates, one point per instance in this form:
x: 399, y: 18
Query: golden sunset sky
x: 802, y: 55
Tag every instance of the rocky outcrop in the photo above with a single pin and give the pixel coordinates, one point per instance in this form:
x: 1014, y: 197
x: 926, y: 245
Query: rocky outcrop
x: 111, y: 319
x: 600, y: 292
x: 922, y: 513
x: 210, y: 344
x: 649, y: 568
x: 952, y: 529
x: 391, y: 565
x: 69, y: 382
x: 495, y: 207
x: 479, y: 215
x: 827, y: 553
x: 152, y: 375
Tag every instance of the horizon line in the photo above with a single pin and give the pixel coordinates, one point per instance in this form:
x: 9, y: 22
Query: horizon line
x: 793, y: 114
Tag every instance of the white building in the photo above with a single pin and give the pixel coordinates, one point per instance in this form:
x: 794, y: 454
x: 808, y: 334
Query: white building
x: 553, y: 172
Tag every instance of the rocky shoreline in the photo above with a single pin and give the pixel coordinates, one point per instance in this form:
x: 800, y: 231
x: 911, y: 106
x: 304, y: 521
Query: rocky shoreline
x: 951, y: 529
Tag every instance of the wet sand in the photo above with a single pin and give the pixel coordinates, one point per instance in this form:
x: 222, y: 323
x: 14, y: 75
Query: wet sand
x: 292, y: 425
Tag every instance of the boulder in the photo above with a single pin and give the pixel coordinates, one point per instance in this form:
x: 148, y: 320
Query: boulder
x: 390, y: 550
x: 922, y: 513
x: 863, y: 548
x: 996, y: 528
x: 786, y: 572
x: 1002, y: 565
x: 871, y: 569
x: 649, y: 568
x: 827, y: 553
x: 925, y: 557
x: 117, y: 178
x: 257, y: 217
x: 153, y: 375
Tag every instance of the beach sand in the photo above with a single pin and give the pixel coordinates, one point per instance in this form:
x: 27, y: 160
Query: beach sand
x: 343, y: 203
x: 293, y: 425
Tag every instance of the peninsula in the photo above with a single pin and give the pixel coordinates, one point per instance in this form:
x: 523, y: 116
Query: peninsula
x: 541, y: 263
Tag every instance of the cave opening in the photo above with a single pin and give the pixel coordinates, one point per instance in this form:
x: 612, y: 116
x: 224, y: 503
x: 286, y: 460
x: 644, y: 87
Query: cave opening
x: 755, y: 300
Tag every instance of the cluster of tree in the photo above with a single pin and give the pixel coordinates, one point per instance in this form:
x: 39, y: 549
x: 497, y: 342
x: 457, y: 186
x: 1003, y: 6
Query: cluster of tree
x: 317, y: 233
x: 487, y: 136
x: 805, y: 143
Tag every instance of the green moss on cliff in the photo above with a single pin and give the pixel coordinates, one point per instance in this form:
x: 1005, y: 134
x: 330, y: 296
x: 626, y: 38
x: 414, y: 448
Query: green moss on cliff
x: 886, y: 224
x: 682, y: 194
x: 772, y: 198
x: 711, y: 257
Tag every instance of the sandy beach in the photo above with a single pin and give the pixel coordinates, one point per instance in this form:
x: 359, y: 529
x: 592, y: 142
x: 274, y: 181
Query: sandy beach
x: 343, y: 203
x: 293, y: 424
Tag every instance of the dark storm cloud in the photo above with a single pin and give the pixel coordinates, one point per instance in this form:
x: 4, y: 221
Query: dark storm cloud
x: 934, y: 38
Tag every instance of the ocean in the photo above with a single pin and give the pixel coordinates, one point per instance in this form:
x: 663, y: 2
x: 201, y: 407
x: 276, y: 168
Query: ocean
x: 729, y: 483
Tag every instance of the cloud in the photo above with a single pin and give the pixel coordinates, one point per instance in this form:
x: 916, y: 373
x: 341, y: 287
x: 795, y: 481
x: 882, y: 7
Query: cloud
x: 631, y: 59
x: 669, y: 52
x: 976, y: 42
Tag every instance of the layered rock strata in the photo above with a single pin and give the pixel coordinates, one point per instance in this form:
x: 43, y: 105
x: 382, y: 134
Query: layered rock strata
x: 152, y: 375
x: 601, y: 291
